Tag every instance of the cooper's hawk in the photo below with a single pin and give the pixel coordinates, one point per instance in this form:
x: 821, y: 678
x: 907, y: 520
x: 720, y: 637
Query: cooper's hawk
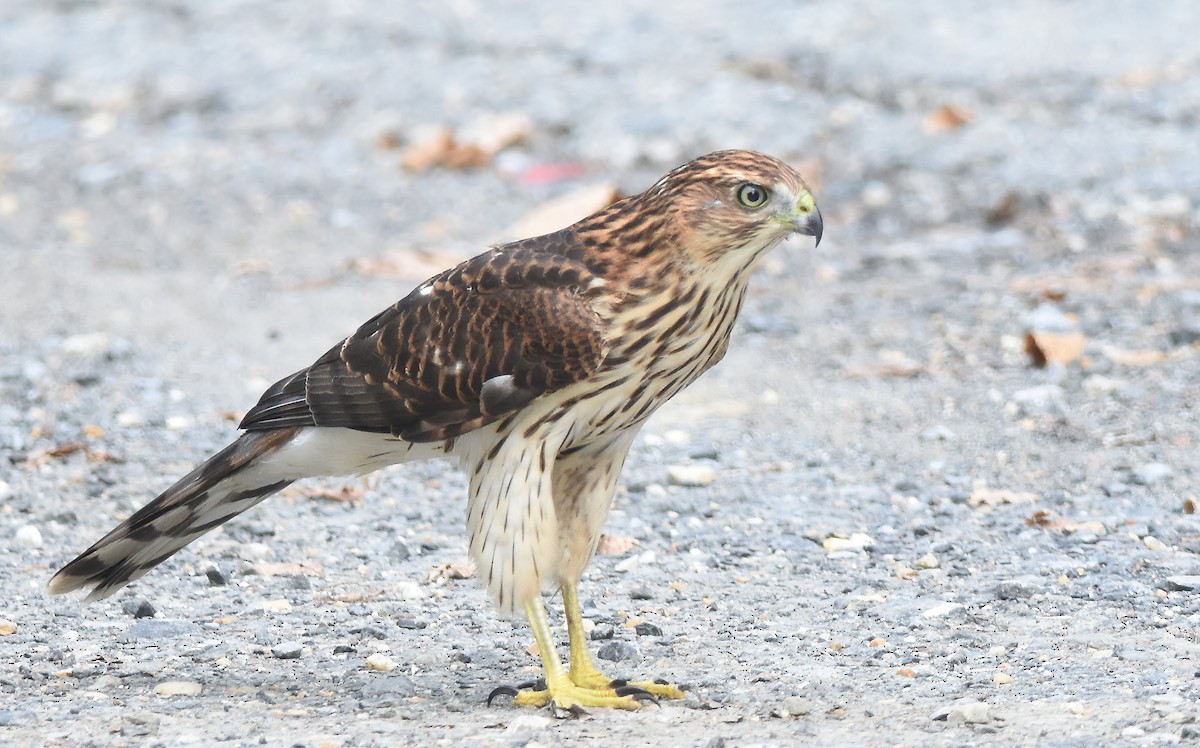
x: 534, y: 364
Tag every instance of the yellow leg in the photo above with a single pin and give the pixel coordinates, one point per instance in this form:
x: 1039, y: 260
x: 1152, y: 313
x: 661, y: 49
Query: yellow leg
x: 584, y: 672
x: 559, y: 687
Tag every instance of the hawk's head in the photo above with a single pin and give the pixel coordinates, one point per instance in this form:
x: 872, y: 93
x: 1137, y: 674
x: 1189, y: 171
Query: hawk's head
x: 734, y: 205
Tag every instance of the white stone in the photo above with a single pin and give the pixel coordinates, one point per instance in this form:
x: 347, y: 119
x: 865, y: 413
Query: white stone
x: 527, y: 723
x: 691, y: 475
x: 178, y: 688
x: 381, y: 662
x: 972, y: 712
x: 29, y: 536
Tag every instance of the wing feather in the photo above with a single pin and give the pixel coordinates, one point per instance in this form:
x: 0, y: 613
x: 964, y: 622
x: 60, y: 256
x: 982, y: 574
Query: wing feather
x: 463, y: 349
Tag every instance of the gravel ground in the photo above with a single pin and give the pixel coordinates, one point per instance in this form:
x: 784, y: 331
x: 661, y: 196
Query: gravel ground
x: 876, y: 523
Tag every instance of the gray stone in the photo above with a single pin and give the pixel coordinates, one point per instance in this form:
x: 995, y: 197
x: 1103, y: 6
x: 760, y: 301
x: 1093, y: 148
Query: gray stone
x: 619, y: 651
x: 290, y: 650
x: 1183, y: 583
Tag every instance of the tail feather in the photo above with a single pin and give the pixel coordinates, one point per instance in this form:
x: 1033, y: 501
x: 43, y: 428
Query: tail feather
x: 226, y: 485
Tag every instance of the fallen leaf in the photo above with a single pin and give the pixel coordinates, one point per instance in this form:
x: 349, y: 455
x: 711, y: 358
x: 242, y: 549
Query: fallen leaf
x: 553, y: 215
x: 443, y: 149
x: 461, y: 570
x: 409, y: 265
x: 1056, y: 523
x: 614, y: 545
x: 290, y: 569
x: 338, y: 493
x: 1053, y: 347
x: 1122, y: 357
x: 948, y: 117
x: 43, y: 456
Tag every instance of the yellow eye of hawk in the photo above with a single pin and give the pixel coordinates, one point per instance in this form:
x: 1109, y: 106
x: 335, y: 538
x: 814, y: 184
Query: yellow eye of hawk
x: 752, y: 195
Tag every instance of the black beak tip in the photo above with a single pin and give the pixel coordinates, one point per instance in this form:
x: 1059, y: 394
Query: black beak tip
x: 813, y: 226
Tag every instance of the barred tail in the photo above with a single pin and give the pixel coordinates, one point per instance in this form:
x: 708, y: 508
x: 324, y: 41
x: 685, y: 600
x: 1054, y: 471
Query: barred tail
x: 227, y: 484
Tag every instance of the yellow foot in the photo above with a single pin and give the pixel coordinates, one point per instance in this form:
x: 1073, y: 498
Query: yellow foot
x: 659, y: 688
x: 594, y: 680
x: 571, y: 696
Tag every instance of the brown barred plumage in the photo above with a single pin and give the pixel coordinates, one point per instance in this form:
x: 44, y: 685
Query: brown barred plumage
x: 534, y: 364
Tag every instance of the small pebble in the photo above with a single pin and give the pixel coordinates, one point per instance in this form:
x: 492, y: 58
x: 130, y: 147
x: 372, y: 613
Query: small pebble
x: 7, y: 627
x: 527, y: 723
x: 381, y: 662
x: 943, y: 609
x: 287, y: 651
x: 602, y: 632
x: 928, y: 561
x: 647, y: 629
x: 691, y: 475
x: 277, y: 606
x: 1001, y: 679
x: 216, y: 577
x: 972, y: 712
x: 6, y: 491
x: 29, y: 536
x: 1154, y: 544
x: 856, y: 542
x: 618, y: 651
x: 138, y: 608
x: 178, y: 688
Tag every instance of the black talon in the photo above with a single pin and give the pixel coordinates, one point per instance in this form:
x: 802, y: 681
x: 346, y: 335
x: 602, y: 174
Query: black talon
x: 501, y: 691
x: 637, y: 694
x: 616, y: 683
x: 529, y: 685
x: 533, y: 685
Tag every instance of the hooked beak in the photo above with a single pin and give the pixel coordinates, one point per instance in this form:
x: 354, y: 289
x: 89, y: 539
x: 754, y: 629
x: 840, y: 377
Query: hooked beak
x: 810, y: 225
x: 806, y: 218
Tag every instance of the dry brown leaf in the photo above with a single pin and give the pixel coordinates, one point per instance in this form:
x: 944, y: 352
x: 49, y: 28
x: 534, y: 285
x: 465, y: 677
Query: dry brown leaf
x: 1123, y: 357
x: 615, y: 545
x: 335, y: 493
x: 984, y: 496
x: 1053, y: 347
x: 59, y: 451
x: 565, y: 210
x: 290, y: 569
x: 948, y: 117
x: 443, y: 149
x: 1057, y: 523
x: 414, y: 264
x: 457, y: 570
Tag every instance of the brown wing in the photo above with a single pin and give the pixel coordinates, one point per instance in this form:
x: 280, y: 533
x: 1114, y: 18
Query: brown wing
x: 463, y: 348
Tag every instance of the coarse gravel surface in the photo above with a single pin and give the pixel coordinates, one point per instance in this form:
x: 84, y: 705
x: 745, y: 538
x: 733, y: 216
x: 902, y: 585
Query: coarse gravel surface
x: 876, y: 523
